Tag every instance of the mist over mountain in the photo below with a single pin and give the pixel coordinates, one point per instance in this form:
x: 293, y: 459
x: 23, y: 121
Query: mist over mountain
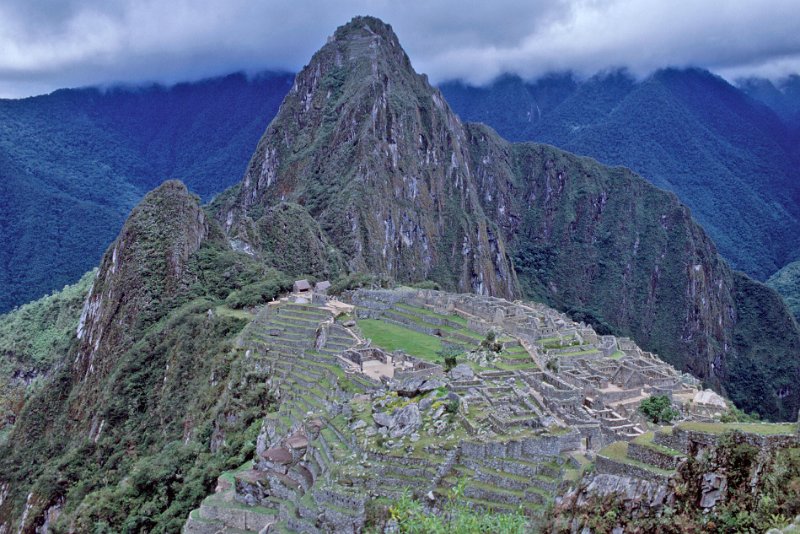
x: 199, y: 389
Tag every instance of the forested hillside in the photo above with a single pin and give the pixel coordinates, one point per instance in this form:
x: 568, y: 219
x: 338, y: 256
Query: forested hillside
x: 73, y: 164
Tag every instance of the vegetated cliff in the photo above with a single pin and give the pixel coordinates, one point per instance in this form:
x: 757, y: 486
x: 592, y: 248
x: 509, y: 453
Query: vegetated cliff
x: 787, y: 283
x: 147, y: 405
x: 33, y: 339
x: 372, y: 152
x: 144, y: 266
x: 729, y: 158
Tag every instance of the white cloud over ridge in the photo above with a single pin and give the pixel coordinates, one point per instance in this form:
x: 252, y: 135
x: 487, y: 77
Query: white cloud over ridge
x: 47, y: 44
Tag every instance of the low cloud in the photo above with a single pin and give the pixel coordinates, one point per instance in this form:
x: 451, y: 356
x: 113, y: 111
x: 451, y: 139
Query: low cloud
x: 49, y: 44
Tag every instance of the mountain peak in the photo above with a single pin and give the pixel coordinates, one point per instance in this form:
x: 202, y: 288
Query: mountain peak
x: 364, y: 26
x: 359, y: 128
x: 364, y: 41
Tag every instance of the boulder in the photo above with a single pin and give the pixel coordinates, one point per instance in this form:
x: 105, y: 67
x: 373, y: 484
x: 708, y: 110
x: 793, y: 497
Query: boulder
x: 713, y: 488
x: 382, y: 419
x: 402, y: 422
x: 406, y: 420
x: 409, y: 387
x: 432, y: 384
x: 462, y: 371
x: 709, y: 398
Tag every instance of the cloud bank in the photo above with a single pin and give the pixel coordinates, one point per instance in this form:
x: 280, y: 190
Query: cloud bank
x: 47, y: 44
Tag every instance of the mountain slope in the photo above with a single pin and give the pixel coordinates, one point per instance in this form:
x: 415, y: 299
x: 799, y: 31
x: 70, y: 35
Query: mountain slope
x: 401, y: 186
x: 73, y: 164
x: 375, y: 155
x: 729, y: 159
x: 146, y: 404
x: 787, y: 283
x: 367, y: 162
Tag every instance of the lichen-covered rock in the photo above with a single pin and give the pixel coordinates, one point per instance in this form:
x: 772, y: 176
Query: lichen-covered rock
x: 462, y: 371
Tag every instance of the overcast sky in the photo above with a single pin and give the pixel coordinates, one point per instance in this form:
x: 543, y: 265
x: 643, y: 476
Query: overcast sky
x: 48, y: 44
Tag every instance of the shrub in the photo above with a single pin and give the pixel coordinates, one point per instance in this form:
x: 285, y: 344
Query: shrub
x: 658, y: 409
x: 491, y: 343
x: 449, y: 354
x: 259, y: 292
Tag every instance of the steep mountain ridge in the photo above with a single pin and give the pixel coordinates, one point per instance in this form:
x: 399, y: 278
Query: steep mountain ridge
x: 729, y: 158
x: 358, y: 128
x: 143, y: 267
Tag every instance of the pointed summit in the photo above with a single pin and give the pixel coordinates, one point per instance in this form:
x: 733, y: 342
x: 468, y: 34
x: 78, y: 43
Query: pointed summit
x: 374, y: 153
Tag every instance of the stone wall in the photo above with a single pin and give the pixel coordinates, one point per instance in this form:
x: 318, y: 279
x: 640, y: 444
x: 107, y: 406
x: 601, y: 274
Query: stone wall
x: 609, y: 466
x: 652, y: 456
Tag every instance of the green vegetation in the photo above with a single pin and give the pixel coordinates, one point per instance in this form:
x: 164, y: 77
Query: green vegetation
x: 764, y: 429
x: 449, y: 355
x: 661, y: 126
x: 33, y: 338
x: 618, y: 451
x: 787, y: 283
x: 177, y: 407
x: 411, y: 518
x: 658, y: 409
x: 259, y: 292
x: 74, y: 163
x: 491, y: 343
x: 762, y: 492
x: 393, y: 337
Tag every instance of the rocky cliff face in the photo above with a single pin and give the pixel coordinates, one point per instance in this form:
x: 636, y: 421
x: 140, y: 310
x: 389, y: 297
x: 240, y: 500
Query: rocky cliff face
x: 372, y: 152
x: 375, y: 154
x: 611, y: 248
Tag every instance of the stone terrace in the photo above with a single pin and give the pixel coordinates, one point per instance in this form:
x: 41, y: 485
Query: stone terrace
x: 357, y: 422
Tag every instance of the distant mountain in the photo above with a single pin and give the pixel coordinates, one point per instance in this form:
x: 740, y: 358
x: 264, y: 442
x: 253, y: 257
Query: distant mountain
x: 783, y: 96
x: 365, y: 173
x: 74, y: 163
x: 730, y: 159
x: 787, y: 283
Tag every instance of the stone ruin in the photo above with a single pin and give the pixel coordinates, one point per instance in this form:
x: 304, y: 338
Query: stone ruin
x: 356, y: 422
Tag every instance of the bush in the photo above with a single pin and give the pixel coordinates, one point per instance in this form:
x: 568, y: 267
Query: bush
x: 490, y: 343
x: 259, y: 292
x: 658, y: 409
x: 426, y: 284
x: 449, y: 354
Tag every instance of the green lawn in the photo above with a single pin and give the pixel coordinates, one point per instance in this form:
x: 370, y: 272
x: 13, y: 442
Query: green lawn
x: 646, y: 440
x: 764, y: 429
x: 392, y: 337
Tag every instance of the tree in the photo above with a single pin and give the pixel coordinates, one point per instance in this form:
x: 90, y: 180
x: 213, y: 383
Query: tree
x: 658, y: 409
